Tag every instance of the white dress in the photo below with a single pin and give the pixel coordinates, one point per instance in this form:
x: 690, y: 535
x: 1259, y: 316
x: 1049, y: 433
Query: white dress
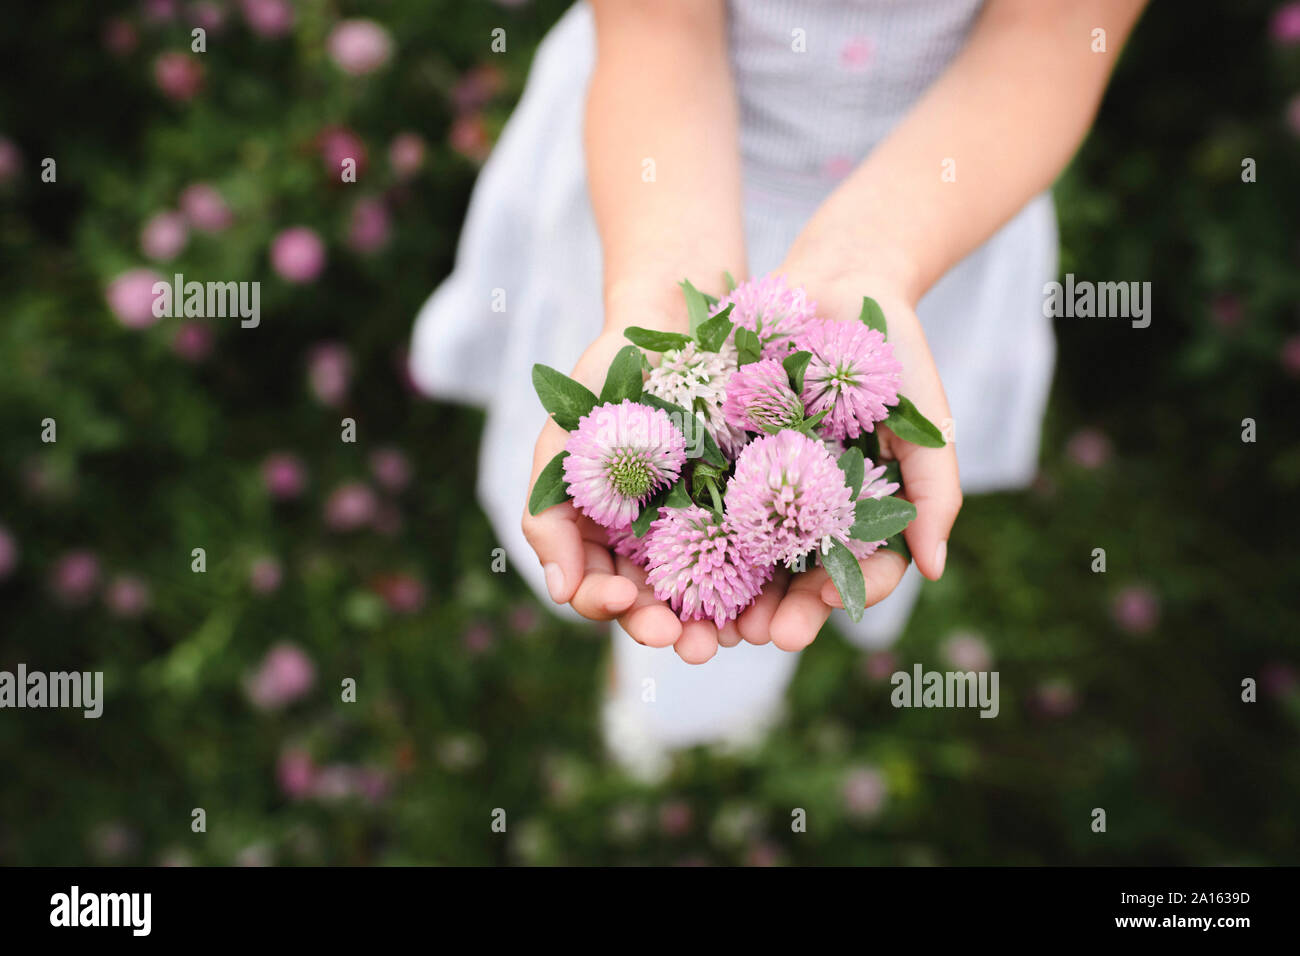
x: 819, y: 83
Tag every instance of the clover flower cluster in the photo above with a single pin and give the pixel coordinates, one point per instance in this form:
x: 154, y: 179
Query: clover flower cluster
x: 740, y: 449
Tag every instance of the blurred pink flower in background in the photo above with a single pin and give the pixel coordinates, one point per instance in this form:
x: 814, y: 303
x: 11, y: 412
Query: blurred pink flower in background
x: 179, y: 76
x: 469, y: 137
x: 75, y: 577
x: 476, y: 88
x: 338, y: 143
x: 863, y: 792
x: 268, y: 18
x: 205, y: 208
x: 1285, y: 25
x: 297, y: 254
x: 341, y: 781
x: 388, y: 520
x: 11, y: 159
x: 329, y: 372
x: 130, y: 297
x: 193, y: 341
x: 406, y: 154
x: 264, y: 575
x: 1226, y: 310
x: 127, y: 596
x: 1291, y: 356
x: 114, y: 840
x: 477, y: 638
x: 403, y: 593
x: 1136, y: 609
x: 675, y: 818
x: 967, y: 652
x: 284, y: 475
x: 1056, y: 698
x: 255, y: 855
x: 524, y: 618
x: 763, y: 854
x: 176, y: 857
x: 350, y: 507
x: 285, y: 675
x: 879, y: 665
x: 1277, y: 679
x: 210, y: 16
x: 359, y: 46
x: 164, y: 236
x: 1089, y: 448
x: 369, y: 228
x: 120, y: 37
x: 8, y: 553
x: 295, y: 772
x: 159, y: 11
x: 1293, y: 114
x: 391, y: 468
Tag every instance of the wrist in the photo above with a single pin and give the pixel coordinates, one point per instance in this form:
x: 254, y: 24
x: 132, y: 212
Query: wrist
x: 655, y: 300
x: 881, y: 274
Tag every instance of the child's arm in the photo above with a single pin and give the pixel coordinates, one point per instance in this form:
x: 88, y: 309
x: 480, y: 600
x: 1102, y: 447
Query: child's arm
x: 1002, y: 121
x: 1008, y: 113
x: 664, y: 172
x: 663, y: 158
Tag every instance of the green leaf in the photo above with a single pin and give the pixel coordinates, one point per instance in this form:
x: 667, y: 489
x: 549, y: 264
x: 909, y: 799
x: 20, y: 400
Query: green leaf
x: 624, y: 377
x: 713, y: 333
x: 549, y: 489
x: 560, y: 395
x: 731, y: 283
x: 808, y: 424
x: 898, y: 544
x: 651, y: 511
x: 697, y: 306
x: 845, y: 572
x: 748, y: 345
x: 655, y: 340
x: 910, y: 425
x: 702, y: 474
x: 699, y: 443
x: 872, y: 316
x: 678, y: 496
x: 875, y: 519
x: 854, y: 469
x: 796, y: 364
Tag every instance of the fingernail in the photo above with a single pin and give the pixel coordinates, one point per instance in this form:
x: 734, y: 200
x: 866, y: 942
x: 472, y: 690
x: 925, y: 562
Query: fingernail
x: 554, y: 582
x: 940, y: 556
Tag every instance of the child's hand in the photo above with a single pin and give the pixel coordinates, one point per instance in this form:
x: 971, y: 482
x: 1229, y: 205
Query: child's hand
x: 792, y: 610
x: 574, y: 550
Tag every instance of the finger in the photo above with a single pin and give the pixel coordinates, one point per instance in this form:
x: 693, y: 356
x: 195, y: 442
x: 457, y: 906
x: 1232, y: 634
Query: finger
x: 648, y: 620
x: 755, y: 622
x: 553, y: 534
x: 880, y: 571
x: 802, y: 611
x: 729, y: 636
x: 602, y: 595
x: 931, y: 483
x: 698, y: 643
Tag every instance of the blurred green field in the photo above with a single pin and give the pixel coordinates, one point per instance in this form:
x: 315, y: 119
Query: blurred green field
x: 1120, y: 690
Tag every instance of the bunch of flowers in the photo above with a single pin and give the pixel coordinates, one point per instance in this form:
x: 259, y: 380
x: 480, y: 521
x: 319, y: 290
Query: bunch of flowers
x: 748, y: 444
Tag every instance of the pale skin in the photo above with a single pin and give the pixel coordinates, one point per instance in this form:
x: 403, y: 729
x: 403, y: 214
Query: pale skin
x: 1009, y: 112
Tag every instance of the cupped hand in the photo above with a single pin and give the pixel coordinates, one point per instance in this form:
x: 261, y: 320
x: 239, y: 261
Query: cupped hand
x: 791, y: 612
